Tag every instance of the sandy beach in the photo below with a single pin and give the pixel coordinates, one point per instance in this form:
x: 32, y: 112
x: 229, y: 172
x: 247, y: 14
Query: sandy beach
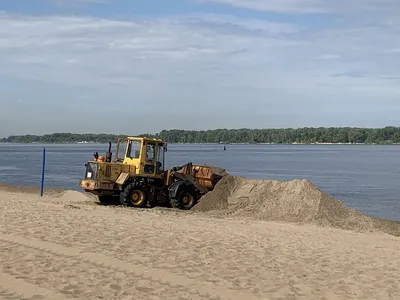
x: 66, y: 246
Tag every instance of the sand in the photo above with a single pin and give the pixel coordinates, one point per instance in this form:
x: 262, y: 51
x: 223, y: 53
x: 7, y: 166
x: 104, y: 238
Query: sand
x: 65, y: 246
x: 297, y: 201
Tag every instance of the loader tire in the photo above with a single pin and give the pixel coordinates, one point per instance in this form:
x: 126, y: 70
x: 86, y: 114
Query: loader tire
x: 134, y: 195
x: 185, y: 200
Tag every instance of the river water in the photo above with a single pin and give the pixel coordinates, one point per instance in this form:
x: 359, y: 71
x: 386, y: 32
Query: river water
x: 365, y: 177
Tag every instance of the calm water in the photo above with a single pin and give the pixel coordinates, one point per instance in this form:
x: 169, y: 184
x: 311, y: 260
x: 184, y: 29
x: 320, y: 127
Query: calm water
x: 366, y: 178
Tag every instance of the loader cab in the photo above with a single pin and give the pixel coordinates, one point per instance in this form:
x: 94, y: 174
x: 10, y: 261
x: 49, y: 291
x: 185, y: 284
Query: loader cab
x: 154, y: 157
x: 146, y: 155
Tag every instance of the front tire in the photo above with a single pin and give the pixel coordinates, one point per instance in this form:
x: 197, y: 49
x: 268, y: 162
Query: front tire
x: 186, y: 199
x: 134, y: 195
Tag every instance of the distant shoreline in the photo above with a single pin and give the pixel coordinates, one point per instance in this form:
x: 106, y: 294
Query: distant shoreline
x: 283, y: 136
x: 287, y: 144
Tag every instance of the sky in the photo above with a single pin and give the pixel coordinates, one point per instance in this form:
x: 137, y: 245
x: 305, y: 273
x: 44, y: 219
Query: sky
x: 131, y: 67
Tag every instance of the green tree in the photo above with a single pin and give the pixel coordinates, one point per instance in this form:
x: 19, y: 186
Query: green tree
x: 387, y: 135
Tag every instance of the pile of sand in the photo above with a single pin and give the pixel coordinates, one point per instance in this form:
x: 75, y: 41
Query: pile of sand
x: 11, y: 188
x: 289, y: 201
x: 53, y: 195
x: 75, y: 196
x: 74, y: 199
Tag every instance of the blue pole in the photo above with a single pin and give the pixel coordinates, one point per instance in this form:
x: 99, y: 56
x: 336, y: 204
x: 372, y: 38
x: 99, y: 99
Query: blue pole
x: 43, y: 165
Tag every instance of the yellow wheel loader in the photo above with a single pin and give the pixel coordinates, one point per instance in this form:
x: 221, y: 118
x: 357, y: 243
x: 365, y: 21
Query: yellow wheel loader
x: 137, y: 178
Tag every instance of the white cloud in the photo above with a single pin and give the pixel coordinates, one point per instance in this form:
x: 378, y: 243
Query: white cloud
x: 78, y: 2
x: 196, y: 71
x: 231, y: 23
x: 313, y: 6
x: 121, y: 51
x: 327, y: 56
x: 286, y: 6
x: 392, y: 51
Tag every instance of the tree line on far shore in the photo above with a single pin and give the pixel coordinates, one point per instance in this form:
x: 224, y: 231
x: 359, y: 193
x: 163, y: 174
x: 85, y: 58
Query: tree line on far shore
x: 306, y: 135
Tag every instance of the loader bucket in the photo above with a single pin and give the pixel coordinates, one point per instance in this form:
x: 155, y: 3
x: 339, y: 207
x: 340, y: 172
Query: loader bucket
x: 207, y: 176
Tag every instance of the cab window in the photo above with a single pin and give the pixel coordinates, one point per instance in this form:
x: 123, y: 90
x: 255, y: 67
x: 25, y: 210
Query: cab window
x: 150, y: 152
x: 133, y: 149
x: 160, y: 159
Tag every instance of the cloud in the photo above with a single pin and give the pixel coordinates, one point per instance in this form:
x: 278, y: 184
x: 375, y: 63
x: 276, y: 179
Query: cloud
x: 393, y: 51
x: 327, y: 56
x: 313, y: 6
x: 78, y: 2
x: 195, y: 71
x: 231, y: 24
x: 92, y: 50
x: 281, y: 6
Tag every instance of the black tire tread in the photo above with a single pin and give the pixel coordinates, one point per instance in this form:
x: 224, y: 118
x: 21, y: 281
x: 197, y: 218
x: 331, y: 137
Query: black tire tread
x: 177, y: 202
x: 125, y: 194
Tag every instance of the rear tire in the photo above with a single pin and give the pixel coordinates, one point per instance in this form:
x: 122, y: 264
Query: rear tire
x: 134, y: 195
x: 185, y: 200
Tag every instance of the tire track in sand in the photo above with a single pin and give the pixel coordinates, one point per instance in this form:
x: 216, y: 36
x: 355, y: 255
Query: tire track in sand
x: 147, y: 273
x: 15, y: 288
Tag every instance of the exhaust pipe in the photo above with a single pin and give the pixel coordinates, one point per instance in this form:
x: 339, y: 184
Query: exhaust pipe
x: 109, y: 154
